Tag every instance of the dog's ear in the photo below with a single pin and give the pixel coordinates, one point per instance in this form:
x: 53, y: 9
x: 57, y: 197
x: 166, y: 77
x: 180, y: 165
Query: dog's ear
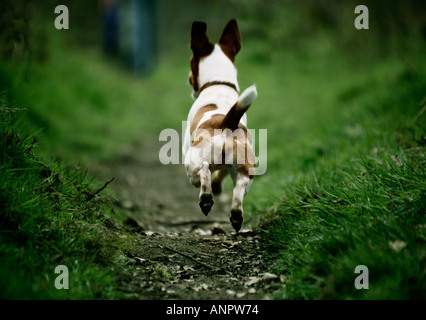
x: 200, y: 44
x: 230, y: 41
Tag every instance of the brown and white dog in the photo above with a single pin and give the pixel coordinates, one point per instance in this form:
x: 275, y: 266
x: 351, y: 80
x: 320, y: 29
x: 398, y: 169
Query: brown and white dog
x: 217, y: 141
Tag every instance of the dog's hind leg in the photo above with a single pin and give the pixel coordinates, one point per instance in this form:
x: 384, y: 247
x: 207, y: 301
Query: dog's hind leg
x: 206, y: 193
x: 241, y: 186
x: 217, y: 180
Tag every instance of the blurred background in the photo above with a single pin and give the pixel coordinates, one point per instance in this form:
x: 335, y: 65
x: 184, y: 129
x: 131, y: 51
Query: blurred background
x: 123, y: 64
x: 119, y: 75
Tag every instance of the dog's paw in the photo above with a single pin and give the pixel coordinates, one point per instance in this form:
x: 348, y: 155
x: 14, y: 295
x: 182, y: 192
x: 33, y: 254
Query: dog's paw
x: 236, y: 219
x: 206, y: 203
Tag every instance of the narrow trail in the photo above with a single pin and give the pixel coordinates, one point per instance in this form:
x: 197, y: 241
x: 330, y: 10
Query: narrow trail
x: 180, y: 253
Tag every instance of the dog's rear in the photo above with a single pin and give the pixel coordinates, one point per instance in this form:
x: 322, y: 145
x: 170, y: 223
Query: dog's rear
x: 217, y: 141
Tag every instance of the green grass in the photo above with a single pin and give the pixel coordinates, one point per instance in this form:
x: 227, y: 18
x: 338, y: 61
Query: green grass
x: 50, y: 216
x: 351, y: 186
x: 326, y: 228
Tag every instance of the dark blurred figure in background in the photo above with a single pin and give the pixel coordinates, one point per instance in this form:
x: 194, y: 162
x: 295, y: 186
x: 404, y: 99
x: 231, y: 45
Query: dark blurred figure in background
x: 129, y: 31
x: 110, y: 26
x: 142, y: 35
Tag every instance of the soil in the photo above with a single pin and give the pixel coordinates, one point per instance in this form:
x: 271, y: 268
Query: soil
x: 179, y: 253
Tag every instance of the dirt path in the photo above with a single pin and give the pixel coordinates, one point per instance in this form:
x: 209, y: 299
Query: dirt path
x: 180, y: 253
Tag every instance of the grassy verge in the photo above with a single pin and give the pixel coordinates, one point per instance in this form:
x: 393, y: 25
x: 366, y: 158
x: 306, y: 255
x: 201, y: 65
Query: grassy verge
x: 51, y: 216
x: 357, y: 196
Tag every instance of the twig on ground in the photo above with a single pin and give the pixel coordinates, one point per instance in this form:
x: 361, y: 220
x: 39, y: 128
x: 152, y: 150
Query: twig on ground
x: 188, y: 257
x: 92, y: 195
x: 418, y: 115
x: 182, y: 223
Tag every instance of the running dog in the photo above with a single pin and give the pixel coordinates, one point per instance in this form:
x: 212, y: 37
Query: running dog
x: 217, y: 141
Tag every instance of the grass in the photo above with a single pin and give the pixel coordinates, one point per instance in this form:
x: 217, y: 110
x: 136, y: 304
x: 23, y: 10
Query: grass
x: 372, y: 215
x: 345, y: 184
x: 353, y: 192
x: 51, y: 216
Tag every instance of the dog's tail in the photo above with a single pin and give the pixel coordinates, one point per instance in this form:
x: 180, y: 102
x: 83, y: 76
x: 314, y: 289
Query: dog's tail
x: 233, y: 117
